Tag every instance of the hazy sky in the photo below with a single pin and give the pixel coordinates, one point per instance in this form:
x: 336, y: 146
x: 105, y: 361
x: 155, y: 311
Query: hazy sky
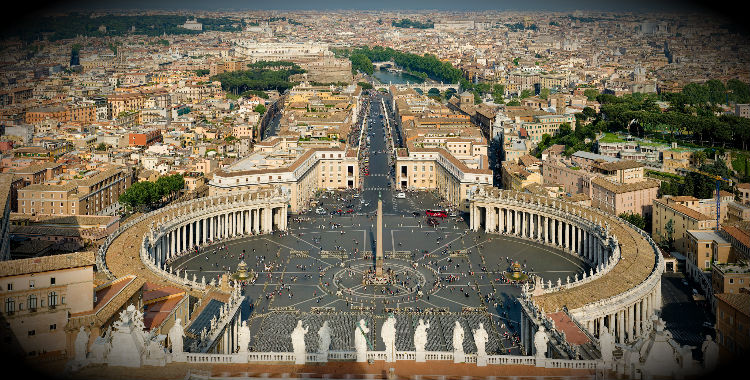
x: 552, y: 5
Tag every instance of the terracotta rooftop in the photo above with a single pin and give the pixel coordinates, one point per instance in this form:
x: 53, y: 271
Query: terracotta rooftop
x: 573, y: 334
x: 619, y: 165
x: 155, y: 313
x: 741, y: 235
x: 687, y: 211
x: 619, y: 188
x: 739, y: 301
x: 106, y: 292
x: 46, y: 263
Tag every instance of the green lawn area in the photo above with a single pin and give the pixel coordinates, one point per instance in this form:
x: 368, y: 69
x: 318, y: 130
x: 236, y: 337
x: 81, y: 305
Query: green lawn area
x: 610, y: 138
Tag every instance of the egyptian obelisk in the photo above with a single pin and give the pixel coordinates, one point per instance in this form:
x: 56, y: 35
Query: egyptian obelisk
x: 379, y: 242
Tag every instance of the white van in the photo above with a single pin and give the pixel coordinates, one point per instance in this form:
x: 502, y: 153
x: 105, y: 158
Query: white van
x: 320, y: 211
x: 401, y: 195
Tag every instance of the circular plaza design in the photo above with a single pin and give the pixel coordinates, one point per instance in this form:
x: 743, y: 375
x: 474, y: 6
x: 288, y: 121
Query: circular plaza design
x: 313, y: 268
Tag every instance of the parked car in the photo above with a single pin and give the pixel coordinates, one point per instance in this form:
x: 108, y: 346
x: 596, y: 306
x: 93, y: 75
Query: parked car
x: 401, y: 195
x: 320, y: 211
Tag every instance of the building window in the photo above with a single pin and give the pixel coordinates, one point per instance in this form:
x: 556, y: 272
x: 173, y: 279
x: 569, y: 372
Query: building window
x: 52, y: 281
x: 31, y: 284
x: 53, y: 327
x: 32, y: 332
x: 52, y: 299
x: 10, y: 305
x: 32, y: 302
x: 10, y: 286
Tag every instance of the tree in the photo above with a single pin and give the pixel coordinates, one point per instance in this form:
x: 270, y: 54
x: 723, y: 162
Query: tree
x: 514, y: 102
x: 498, y: 93
x: 361, y: 62
x: 634, y: 219
x: 591, y: 93
x: 450, y: 92
x: 365, y: 85
x: 700, y: 157
x: 526, y: 93
x: 544, y: 93
x: 261, y: 109
x: 102, y: 147
x: 589, y: 112
x: 139, y: 194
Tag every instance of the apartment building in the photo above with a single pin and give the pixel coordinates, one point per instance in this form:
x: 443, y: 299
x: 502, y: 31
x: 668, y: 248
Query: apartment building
x: 444, y: 151
x: 618, y: 197
x: 144, y: 138
x: 39, y: 114
x: 96, y: 193
x: 6, y: 183
x: 517, y: 177
x: 117, y: 104
x: 15, y: 95
x: 702, y: 248
x: 672, y: 217
x: 39, y: 294
x: 743, y: 190
x: 732, y: 322
x: 298, y: 168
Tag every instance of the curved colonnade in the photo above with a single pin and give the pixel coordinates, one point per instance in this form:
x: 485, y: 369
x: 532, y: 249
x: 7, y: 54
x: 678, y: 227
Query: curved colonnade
x: 215, y: 218
x: 620, y: 293
x: 170, y: 232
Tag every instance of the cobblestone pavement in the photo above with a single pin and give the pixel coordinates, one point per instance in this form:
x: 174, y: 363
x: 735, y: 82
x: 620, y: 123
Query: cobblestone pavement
x: 321, y: 260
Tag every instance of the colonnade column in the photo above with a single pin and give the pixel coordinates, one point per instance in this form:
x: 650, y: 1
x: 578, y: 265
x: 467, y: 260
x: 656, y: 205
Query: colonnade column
x: 501, y: 220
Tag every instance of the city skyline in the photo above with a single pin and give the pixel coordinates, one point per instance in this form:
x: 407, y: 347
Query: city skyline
x: 320, y: 192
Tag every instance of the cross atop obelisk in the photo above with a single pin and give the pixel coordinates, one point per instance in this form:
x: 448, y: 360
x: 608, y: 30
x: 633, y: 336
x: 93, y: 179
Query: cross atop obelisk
x: 379, y: 241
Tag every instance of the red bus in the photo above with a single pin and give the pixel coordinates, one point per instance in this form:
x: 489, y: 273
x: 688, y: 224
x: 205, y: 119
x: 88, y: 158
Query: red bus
x: 437, y: 213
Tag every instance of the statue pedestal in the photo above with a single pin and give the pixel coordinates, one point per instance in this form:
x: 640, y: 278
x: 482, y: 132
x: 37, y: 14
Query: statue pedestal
x: 459, y: 357
x: 481, y: 360
x: 299, y: 358
x: 375, y: 279
x: 361, y: 356
x: 420, y: 357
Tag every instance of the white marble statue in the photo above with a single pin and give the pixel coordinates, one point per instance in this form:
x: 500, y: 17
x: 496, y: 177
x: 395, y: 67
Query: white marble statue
x: 540, y: 343
x: 360, y: 340
x: 298, y: 343
x: 81, y: 344
x: 128, y: 339
x: 324, y: 340
x: 710, y: 353
x: 606, y: 346
x: 388, y: 334
x: 243, y: 338
x: 420, y: 339
x: 176, y: 335
x: 458, y: 343
x: 480, y: 340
